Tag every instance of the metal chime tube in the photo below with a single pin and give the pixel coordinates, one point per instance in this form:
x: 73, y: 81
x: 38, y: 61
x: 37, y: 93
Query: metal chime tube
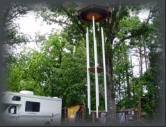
x: 96, y: 64
x: 88, y: 73
x: 104, y: 66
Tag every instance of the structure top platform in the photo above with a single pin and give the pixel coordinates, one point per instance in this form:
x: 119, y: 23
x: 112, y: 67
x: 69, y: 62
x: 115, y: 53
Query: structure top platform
x: 100, y: 13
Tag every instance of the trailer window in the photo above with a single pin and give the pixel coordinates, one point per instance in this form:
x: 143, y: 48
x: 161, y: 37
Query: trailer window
x: 16, y: 98
x: 32, y: 106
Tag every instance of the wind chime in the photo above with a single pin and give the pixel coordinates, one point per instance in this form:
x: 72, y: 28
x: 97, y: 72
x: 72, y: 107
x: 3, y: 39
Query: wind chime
x: 93, y: 14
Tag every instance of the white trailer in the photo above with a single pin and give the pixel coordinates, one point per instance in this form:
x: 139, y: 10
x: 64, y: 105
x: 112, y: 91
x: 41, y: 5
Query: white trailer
x: 27, y: 108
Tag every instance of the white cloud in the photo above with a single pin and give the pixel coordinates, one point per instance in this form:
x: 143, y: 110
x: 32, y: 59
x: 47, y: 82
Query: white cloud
x: 30, y: 25
x: 143, y: 14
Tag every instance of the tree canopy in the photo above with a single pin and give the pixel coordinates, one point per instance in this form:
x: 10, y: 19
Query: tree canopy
x: 59, y: 69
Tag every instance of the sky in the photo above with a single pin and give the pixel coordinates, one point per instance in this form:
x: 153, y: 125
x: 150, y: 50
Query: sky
x: 32, y: 26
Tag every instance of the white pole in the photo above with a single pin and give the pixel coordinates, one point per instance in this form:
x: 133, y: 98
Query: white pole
x: 96, y: 64
x: 104, y: 66
x: 88, y: 73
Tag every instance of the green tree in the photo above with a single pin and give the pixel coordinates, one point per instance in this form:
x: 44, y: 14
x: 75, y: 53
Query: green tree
x: 119, y: 25
x: 55, y: 71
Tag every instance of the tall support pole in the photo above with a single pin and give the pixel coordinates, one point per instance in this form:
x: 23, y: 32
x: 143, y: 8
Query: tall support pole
x: 104, y: 66
x: 88, y: 73
x: 96, y: 64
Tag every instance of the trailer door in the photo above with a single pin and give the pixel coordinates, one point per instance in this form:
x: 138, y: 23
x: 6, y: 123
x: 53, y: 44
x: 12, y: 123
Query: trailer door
x: 12, y: 113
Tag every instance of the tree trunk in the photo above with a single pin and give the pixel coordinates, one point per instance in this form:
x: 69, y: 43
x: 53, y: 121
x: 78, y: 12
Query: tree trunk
x: 141, y: 72
x: 119, y: 89
x: 128, y: 84
x: 60, y: 56
x: 124, y: 85
x: 140, y: 66
x: 131, y: 66
x: 132, y: 75
x: 146, y: 62
x: 111, y: 115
